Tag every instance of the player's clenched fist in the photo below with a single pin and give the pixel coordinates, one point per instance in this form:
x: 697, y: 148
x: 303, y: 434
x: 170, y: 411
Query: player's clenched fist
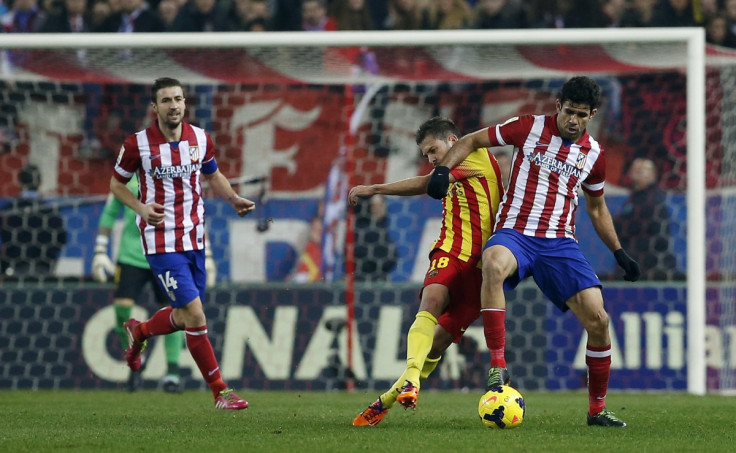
x: 152, y: 213
x: 242, y: 206
x: 359, y: 192
x: 439, y: 182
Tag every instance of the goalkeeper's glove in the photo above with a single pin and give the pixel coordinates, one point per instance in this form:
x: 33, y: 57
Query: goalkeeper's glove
x: 102, y: 265
x: 210, y: 267
x: 439, y: 182
x: 628, y: 264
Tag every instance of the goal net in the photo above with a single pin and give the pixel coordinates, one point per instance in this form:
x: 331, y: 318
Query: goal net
x: 299, y: 118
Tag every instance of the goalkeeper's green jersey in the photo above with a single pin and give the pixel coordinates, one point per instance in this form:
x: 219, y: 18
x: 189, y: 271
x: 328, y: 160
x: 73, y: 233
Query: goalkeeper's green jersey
x: 131, y: 250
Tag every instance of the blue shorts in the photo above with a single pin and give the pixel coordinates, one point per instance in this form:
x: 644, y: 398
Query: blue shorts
x: 557, y: 264
x: 180, y: 274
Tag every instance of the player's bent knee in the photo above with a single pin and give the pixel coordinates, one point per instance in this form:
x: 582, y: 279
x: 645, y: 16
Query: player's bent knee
x: 597, y: 324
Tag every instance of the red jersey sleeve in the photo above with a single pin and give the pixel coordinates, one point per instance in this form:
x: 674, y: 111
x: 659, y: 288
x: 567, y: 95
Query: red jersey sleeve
x: 593, y: 184
x: 129, y: 160
x: 513, y: 132
x: 210, y: 153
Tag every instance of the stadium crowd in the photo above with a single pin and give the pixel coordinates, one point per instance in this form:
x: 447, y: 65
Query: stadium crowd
x: 59, y: 16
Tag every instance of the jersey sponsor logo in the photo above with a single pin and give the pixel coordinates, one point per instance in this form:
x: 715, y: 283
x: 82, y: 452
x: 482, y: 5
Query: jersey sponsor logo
x: 174, y: 171
x: 542, y: 145
x: 554, y: 165
x: 152, y: 157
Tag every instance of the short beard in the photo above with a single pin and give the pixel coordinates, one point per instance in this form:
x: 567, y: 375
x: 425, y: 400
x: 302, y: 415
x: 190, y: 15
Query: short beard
x: 171, y: 125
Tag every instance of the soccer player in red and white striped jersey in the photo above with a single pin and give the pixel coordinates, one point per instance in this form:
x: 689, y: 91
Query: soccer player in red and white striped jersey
x: 450, y: 297
x: 170, y: 157
x: 553, y: 158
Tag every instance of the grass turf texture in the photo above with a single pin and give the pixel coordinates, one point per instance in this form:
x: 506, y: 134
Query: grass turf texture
x: 151, y: 421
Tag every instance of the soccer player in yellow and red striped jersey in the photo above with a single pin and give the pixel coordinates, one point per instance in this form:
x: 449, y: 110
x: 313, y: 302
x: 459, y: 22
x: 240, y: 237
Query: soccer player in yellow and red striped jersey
x: 450, y: 297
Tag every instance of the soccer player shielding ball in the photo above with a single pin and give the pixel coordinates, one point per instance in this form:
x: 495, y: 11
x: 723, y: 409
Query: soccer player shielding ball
x: 170, y: 157
x: 535, y: 228
x: 450, y: 298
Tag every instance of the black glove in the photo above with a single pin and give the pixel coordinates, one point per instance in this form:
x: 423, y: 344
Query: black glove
x: 439, y: 182
x: 628, y: 264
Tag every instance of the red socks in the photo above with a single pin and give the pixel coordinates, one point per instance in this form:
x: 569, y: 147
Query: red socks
x: 201, y: 349
x: 161, y: 323
x: 598, y: 359
x: 494, y: 328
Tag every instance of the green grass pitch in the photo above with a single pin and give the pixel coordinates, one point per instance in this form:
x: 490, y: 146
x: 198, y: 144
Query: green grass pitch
x: 445, y: 421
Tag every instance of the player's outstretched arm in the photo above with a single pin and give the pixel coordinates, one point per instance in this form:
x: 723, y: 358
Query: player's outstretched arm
x: 600, y: 216
x: 463, y: 147
x: 439, y: 181
x: 405, y: 188
x: 219, y: 183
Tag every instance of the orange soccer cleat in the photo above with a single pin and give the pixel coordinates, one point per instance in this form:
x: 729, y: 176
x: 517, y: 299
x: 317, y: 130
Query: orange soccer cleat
x: 372, y: 415
x: 408, y: 396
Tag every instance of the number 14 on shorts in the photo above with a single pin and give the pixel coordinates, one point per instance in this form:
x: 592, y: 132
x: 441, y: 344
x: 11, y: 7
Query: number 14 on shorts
x: 169, y: 283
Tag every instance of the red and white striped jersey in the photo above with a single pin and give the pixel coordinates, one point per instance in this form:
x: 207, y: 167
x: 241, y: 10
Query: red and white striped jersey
x: 547, y: 172
x: 169, y: 174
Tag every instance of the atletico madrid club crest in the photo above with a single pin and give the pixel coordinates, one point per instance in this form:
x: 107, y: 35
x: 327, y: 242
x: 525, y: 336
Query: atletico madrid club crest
x: 194, y: 153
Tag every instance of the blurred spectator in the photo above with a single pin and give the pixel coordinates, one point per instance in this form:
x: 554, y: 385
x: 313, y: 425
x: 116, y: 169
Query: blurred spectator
x: 447, y: 15
x: 352, y: 15
x: 32, y: 232
x: 730, y: 10
x: 403, y: 15
x: 639, y: 13
x: 315, y: 18
x: 674, y: 13
x: 309, y: 267
x: 703, y: 9
x: 68, y: 17
x: 379, y: 12
x: 643, y: 225
x: 24, y: 16
x: 717, y: 32
x: 167, y: 11
x: 201, y: 15
x: 375, y: 253
x: 134, y: 16
x: 499, y: 14
x: 249, y: 15
x: 548, y: 13
x: 100, y: 10
x: 613, y: 11
x: 286, y: 15
x: 585, y: 14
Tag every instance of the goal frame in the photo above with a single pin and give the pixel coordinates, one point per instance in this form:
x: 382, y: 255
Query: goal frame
x: 694, y: 66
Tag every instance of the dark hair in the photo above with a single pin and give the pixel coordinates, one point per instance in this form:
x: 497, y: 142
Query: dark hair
x: 438, y: 127
x: 161, y: 83
x: 581, y: 90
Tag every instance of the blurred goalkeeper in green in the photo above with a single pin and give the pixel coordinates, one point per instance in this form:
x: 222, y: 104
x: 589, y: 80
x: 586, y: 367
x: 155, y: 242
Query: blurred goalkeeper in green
x: 131, y: 275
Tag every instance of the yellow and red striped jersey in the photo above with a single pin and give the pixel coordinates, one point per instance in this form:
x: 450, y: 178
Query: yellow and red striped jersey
x: 470, y: 207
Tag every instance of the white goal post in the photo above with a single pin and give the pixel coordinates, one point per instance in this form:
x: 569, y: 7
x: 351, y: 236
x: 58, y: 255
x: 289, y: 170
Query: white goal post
x: 691, y: 60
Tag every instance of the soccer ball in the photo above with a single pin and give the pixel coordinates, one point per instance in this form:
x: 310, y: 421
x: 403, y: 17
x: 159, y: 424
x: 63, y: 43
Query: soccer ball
x: 502, y: 408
